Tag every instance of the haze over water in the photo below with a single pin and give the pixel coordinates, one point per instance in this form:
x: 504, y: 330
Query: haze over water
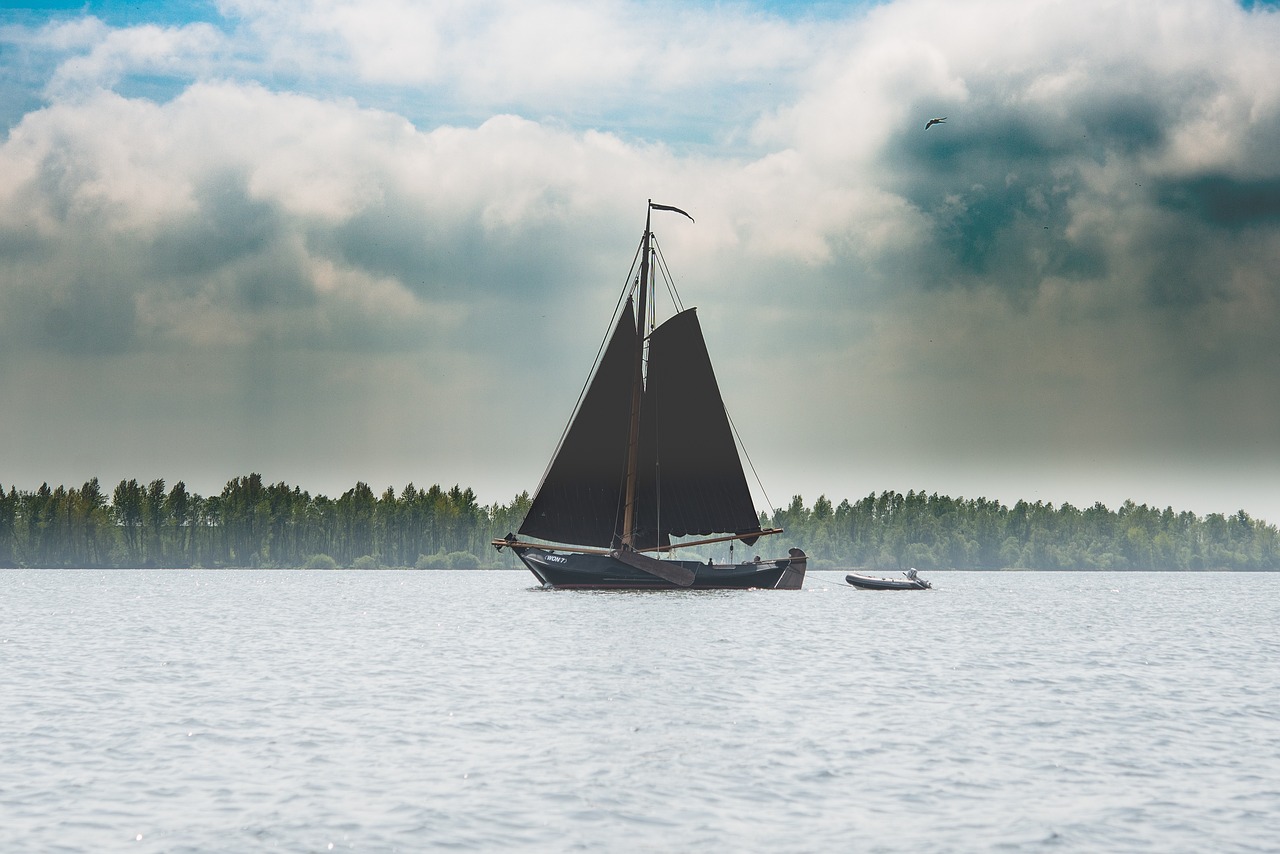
x: 192, y: 710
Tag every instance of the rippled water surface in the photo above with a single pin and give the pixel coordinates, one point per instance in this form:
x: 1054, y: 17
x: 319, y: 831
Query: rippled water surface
x: 408, y: 711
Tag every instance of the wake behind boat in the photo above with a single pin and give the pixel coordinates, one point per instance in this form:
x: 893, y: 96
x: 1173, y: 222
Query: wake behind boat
x: 649, y: 456
x: 912, y: 581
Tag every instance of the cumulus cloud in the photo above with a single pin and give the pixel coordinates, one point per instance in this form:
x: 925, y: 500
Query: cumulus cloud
x: 503, y: 49
x: 1103, y: 173
x: 224, y: 205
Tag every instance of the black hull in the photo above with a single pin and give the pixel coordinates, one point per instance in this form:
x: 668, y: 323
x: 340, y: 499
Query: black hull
x: 576, y: 571
x: 867, y: 582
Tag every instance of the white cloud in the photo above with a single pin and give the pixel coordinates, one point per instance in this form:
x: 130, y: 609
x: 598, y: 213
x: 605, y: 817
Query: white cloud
x: 75, y: 34
x: 555, y: 56
x: 186, y: 51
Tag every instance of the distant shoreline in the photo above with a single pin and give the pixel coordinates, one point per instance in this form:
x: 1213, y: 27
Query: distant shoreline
x: 255, y: 524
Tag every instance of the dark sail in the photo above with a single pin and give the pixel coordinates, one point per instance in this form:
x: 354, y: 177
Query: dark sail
x: 580, y: 498
x: 691, y: 479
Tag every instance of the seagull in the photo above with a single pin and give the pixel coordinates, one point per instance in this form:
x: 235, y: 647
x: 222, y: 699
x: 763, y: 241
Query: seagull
x: 933, y: 122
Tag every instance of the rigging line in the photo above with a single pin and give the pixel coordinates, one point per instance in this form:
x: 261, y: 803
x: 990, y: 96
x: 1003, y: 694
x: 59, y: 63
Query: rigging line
x: 630, y: 283
x: 608, y: 332
x: 773, y: 511
x: 619, y: 510
x: 669, y: 279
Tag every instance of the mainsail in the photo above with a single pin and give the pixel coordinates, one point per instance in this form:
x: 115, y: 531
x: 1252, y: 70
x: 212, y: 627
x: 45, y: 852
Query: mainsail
x: 579, y: 500
x: 690, y: 479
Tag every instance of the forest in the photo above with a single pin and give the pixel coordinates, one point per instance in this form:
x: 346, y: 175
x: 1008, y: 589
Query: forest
x: 252, y: 523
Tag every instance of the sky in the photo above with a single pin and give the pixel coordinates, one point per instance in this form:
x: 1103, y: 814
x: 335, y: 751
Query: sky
x: 333, y: 241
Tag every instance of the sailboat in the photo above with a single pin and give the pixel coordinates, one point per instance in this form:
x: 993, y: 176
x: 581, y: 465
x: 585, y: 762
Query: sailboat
x: 648, y: 458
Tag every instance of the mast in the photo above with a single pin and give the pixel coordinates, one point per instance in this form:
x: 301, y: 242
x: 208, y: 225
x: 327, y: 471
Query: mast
x: 637, y: 390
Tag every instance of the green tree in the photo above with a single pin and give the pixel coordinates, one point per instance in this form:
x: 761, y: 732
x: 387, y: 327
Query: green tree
x: 127, y: 507
x: 8, y: 521
x: 179, y: 511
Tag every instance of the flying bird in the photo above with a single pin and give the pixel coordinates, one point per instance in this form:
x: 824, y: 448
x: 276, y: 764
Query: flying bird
x: 933, y: 122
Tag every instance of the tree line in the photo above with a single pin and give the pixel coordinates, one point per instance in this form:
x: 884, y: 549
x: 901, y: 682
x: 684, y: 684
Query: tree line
x: 251, y: 523
x: 892, y: 530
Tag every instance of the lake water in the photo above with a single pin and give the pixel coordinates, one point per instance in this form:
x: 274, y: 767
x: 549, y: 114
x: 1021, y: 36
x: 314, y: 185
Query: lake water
x: 189, y: 710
